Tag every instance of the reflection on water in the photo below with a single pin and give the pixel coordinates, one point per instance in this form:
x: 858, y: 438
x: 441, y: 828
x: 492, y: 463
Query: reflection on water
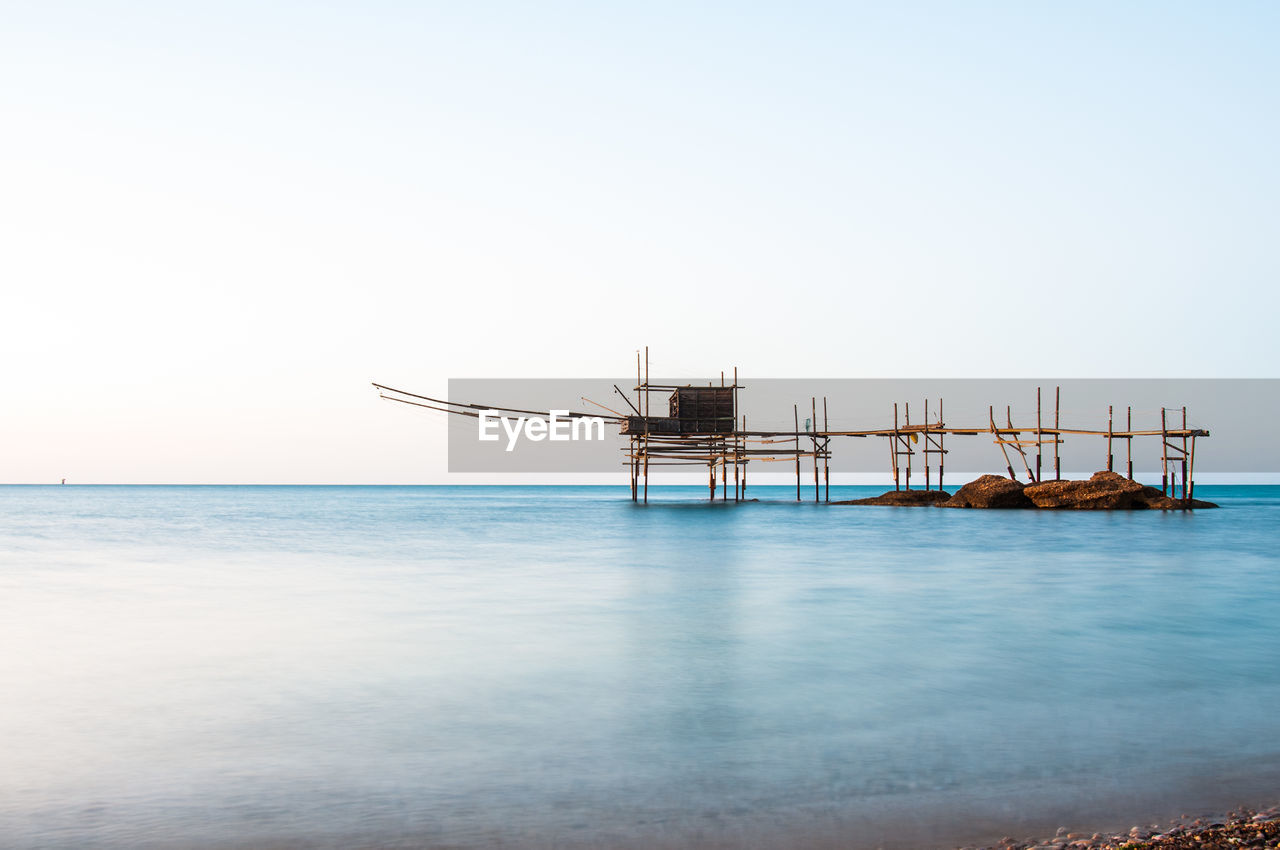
x: 548, y: 666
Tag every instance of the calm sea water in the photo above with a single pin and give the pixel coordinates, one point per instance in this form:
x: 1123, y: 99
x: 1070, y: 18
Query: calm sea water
x: 470, y: 667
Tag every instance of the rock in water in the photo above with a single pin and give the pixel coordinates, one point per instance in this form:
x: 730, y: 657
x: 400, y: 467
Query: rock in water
x: 990, y: 491
x: 1104, y: 491
x: 902, y: 498
x: 1158, y: 501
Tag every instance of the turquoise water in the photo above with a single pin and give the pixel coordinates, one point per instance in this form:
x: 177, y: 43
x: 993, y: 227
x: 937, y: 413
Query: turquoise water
x: 545, y: 666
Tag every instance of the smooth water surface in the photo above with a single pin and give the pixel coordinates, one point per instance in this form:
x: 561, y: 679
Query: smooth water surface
x: 550, y: 666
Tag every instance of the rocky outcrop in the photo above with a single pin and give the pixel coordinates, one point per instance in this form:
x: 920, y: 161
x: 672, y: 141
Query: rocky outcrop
x: 1104, y: 491
x: 990, y: 491
x: 1160, y: 502
x: 902, y: 498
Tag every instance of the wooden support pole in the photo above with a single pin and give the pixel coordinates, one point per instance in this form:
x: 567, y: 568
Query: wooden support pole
x: 646, y: 425
x: 1128, y: 444
x: 795, y: 409
x: 826, y: 455
x: 646, y: 467
x: 737, y: 462
x: 906, y: 407
x: 724, y: 472
x: 1186, y: 493
x: 813, y: 405
x: 737, y: 441
x: 643, y: 419
x: 893, y: 446
x: 1039, y: 435
x: 1057, y: 437
x: 927, y: 444
x: 1164, y: 454
x: 1008, y: 414
x: 1111, y: 411
x: 942, y: 456
x: 991, y: 413
x: 1191, y: 471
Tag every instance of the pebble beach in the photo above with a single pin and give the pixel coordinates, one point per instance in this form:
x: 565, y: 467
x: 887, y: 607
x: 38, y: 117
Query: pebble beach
x: 1241, y: 827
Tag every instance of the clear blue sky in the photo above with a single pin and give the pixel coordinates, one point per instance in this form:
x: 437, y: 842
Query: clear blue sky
x: 218, y: 222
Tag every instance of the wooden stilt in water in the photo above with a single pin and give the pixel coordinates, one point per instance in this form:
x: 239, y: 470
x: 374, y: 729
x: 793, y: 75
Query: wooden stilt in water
x: 942, y: 453
x: 635, y: 441
x: 906, y: 411
x: 724, y: 473
x: 795, y: 409
x: 826, y: 455
x: 737, y: 458
x: 1191, y: 471
x: 1164, y: 454
x: 646, y: 469
x: 1186, y: 491
x: 893, y: 446
x: 646, y: 426
x: 813, y: 405
x: 737, y: 446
